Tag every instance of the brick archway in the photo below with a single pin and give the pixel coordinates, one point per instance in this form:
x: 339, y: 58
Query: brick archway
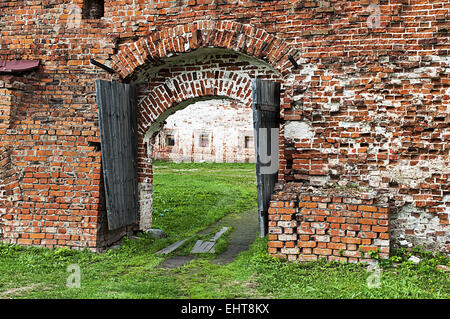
x: 232, y: 35
x: 192, y: 86
x: 151, y: 51
x: 163, y: 100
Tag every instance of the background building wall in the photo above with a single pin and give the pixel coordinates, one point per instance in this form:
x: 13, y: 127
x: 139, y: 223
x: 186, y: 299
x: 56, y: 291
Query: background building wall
x: 210, y: 131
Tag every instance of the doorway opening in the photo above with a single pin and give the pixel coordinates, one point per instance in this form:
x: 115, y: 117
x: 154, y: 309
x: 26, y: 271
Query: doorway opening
x: 171, y: 87
x: 202, y: 169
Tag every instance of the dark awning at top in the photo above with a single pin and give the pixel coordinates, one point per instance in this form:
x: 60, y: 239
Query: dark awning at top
x: 18, y: 66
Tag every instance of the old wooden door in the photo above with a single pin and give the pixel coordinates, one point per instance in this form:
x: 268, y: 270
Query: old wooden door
x: 266, y: 123
x: 117, y: 121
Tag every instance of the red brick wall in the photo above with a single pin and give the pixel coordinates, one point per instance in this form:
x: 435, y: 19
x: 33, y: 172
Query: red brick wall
x: 51, y: 192
x: 368, y: 104
x: 334, y: 225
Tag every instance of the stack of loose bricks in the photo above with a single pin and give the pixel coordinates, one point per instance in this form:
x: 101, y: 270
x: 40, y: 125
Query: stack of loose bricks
x: 328, y: 226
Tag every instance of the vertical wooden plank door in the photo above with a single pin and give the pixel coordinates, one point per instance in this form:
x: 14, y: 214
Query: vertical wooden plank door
x: 117, y: 122
x: 266, y: 124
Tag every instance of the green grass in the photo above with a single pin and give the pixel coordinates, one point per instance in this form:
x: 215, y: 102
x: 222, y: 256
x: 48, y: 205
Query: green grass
x: 191, y: 196
x: 132, y: 271
x: 338, y: 280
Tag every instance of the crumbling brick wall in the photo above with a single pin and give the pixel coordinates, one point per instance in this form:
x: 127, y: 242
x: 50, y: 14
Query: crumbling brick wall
x: 365, y: 104
x: 335, y: 224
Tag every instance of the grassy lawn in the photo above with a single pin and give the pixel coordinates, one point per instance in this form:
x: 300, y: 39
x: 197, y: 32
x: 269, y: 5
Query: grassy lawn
x: 188, y: 198
x: 191, y: 196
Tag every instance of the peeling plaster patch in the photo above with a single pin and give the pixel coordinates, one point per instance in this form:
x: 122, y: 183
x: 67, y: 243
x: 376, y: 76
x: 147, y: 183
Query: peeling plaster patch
x: 413, y: 226
x: 145, y: 189
x: 430, y: 71
x: 380, y: 130
x: 405, y: 174
x: 446, y: 199
x: 330, y: 151
x: 362, y: 127
x: 395, y: 145
x: 350, y: 124
x: 298, y: 130
x: 308, y: 71
x: 349, y: 94
x: 319, y: 180
x: 331, y: 106
x: 374, y: 179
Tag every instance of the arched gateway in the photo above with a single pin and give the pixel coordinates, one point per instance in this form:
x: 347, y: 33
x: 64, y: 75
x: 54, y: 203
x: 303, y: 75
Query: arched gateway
x: 169, y: 70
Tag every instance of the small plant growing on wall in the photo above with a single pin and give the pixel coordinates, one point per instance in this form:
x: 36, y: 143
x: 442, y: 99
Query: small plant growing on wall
x: 374, y: 254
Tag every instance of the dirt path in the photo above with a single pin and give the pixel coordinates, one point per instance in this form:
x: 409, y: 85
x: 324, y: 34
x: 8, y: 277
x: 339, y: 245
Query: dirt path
x: 244, y: 232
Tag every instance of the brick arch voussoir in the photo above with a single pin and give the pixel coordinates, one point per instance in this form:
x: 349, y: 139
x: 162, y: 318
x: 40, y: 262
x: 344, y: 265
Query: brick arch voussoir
x: 191, y: 86
x: 232, y: 35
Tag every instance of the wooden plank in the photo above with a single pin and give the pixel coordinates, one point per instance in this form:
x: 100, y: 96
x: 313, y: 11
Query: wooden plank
x: 120, y: 146
x: 116, y: 103
x: 266, y: 95
x: 203, y: 247
x: 172, y: 247
x: 219, y: 233
x: 266, y: 115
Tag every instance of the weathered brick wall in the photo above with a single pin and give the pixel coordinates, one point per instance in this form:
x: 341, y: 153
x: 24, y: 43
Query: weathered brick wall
x: 340, y: 225
x: 50, y: 180
x: 225, y: 125
x: 368, y: 104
